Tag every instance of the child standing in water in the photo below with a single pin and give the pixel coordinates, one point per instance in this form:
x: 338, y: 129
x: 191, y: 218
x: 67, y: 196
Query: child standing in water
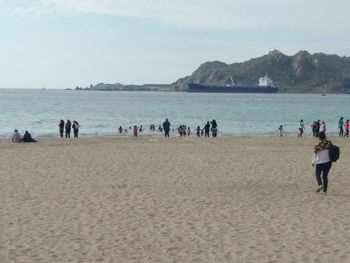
x: 281, y: 130
x: 198, y: 131
x: 135, y: 131
x: 346, y: 128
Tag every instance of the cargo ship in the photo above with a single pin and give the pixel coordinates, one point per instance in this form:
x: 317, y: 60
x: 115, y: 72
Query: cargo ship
x: 266, y: 85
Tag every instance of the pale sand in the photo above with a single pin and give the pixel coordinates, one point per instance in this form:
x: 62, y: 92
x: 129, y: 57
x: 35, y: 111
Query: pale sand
x: 175, y: 200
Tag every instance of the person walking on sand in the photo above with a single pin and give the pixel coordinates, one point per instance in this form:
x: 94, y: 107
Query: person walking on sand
x: 281, y: 130
x: 166, y: 127
x: 322, y: 161
x: 61, y: 128
x: 340, y: 127
x: 75, y: 127
x: 301, y: 128
x: 346, y: 128
x: 68, y: 127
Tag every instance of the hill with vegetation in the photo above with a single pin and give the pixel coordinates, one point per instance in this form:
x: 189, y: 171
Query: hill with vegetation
x: 301, y: 73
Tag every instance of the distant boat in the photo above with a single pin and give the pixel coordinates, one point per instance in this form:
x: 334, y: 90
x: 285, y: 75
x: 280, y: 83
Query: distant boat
x: 266, y: 85
x: 43, y: 88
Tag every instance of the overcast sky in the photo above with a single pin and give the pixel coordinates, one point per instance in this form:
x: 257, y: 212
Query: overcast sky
x: 67, y: 43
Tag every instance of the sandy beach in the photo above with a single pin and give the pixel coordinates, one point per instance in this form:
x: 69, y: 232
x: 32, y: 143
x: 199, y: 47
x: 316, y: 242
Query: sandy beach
x: 171, y: 200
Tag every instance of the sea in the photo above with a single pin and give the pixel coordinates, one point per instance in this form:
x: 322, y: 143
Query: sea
x: 100, y: 113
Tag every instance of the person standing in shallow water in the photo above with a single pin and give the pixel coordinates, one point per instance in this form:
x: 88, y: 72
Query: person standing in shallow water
x: 166, y: 127
x: 322, y: 161
x: 206, y: 129
x: 281, y: 130
x: 301, y: 128
x: 346, y: 128
x: 214, y: 128
x: 61, y: 128
x: 75, y: 127
x: 135, y: 131
x: 68, y: 128
x: 340, y: 127
x: 198, y: 131
x: 323, y: 127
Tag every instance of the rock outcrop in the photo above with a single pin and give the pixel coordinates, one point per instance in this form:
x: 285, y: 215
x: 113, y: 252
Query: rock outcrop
x: 303, y: 72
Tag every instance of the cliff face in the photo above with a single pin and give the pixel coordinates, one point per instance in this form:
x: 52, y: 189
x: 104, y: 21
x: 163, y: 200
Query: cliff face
x: 303, y: 72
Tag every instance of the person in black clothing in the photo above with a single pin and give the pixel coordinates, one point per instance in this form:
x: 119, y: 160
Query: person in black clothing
x: 68, y: 127
x: 214, y: 128
x: 75, y: 127
x: 206, y: 129
x: 166, y: 127
x: 199, y: 131
x: 61, y: 127
x: 27, y: 137
x: 318, y: 125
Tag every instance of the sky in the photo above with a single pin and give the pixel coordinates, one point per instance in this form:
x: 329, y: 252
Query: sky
x: 60, y: 44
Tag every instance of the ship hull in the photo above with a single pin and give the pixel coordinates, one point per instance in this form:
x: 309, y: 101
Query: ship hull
x: 193, y: 87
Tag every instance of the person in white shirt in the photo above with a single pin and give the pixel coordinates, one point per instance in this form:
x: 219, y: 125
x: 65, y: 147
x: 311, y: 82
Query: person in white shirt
x: 16, y: 136
x: 323, y: 127
x: 322, y: 161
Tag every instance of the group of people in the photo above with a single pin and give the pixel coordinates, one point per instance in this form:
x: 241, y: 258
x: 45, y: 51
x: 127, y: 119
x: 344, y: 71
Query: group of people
x: 67, y: 127
x: 183, y: 129
x: 321, y: 158
x: 209, y: 126
x: 343, y: 127
x: 317, y: 127
x: 17, y: 138
x: 320, y: 126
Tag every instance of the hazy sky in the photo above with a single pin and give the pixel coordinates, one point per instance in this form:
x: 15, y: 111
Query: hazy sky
x: 67, y: 43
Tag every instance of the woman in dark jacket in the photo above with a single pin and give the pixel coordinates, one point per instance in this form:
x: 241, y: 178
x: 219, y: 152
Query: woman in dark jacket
x: 27, y: 137
x: 68, y: 127
x: 75, y: 127
x: 61, y: 127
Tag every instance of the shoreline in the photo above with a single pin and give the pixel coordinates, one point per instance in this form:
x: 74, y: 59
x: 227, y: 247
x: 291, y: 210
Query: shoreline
x: 159, y: 136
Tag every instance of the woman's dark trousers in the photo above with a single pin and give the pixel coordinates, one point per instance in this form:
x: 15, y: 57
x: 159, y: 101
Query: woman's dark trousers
x: 323, y: 168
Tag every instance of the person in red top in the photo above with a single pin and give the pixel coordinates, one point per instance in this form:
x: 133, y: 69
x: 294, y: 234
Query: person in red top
x: 135, y: 132
x: 346, y: 128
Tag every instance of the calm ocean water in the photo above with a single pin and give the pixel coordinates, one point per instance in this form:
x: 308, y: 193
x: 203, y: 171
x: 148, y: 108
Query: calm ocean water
x: 100, y: 113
